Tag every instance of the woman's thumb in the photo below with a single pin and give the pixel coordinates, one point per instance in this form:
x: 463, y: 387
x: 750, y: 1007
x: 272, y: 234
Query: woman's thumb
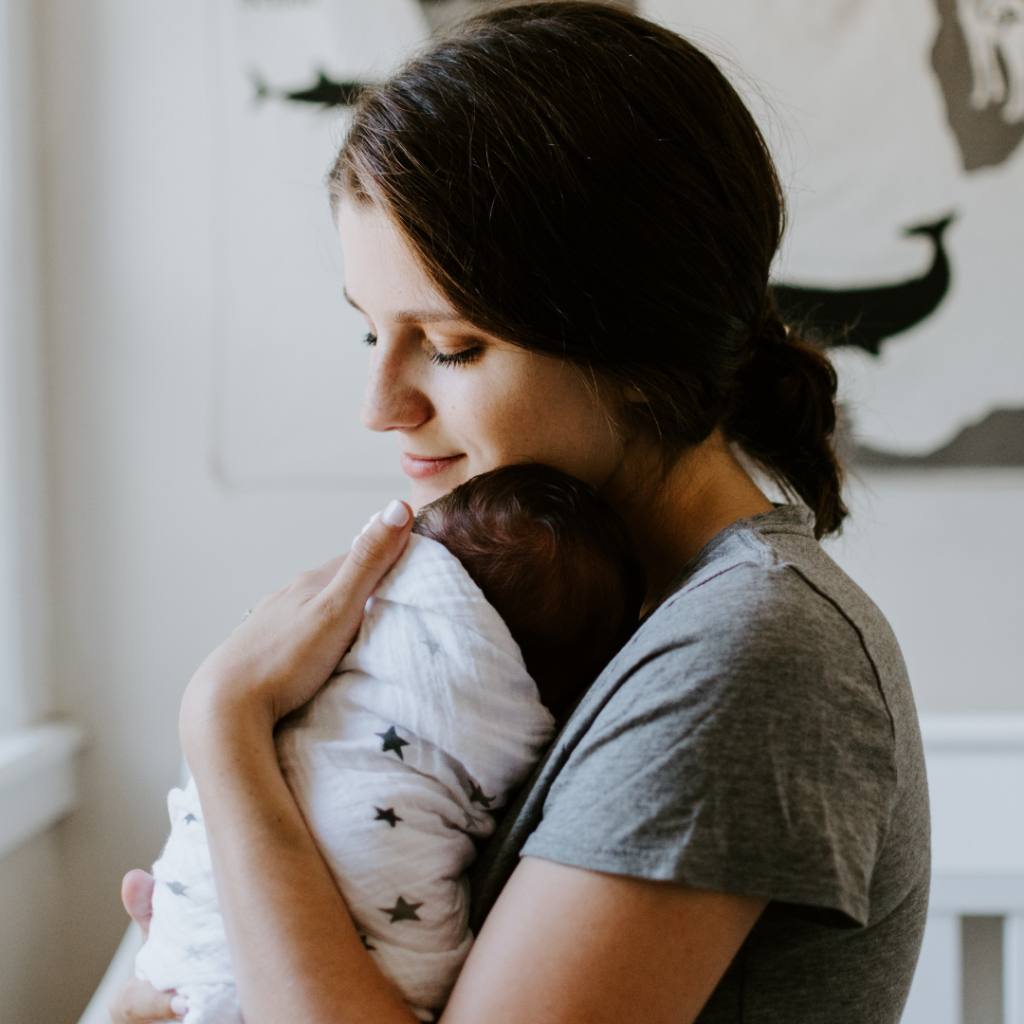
x: 137, y: 897
x: 374, y: 552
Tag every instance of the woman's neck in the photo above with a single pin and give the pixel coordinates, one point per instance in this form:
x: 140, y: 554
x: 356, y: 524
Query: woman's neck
x: 674, y: 512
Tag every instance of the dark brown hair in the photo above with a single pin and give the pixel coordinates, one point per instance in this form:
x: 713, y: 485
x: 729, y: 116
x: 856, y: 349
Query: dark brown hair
x: 557, y: 563
x: 582, y: 182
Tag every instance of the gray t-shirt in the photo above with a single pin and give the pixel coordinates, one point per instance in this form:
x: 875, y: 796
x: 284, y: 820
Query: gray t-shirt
x: 756, y: 735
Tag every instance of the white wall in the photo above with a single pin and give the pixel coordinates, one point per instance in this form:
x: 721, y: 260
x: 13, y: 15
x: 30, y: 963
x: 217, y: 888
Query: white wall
x: 30, y: 952
x: 942, y: 554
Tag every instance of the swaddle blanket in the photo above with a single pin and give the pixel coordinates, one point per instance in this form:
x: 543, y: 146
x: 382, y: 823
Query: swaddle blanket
x: 396, y: 765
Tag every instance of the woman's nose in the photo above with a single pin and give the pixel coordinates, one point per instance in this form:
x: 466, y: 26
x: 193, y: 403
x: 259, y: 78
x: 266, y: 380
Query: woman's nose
x: 392, y: 400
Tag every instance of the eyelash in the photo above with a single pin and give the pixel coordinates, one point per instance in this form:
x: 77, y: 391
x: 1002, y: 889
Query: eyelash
x: 467, y: 355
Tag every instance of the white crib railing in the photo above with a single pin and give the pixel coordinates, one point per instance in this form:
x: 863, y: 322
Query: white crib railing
x: 976, y: 783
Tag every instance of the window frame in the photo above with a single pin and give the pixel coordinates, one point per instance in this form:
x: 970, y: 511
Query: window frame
x: 24, y: 670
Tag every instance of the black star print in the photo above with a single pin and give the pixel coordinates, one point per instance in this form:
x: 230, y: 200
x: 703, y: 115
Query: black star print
x: 189, y: 818
x: 476, y: 795
x: 431, y: 645
x: 392, y: 741
x: 402, y: 911
x: 366, y: 943
x: 387, y: 815
x: 177, y: 888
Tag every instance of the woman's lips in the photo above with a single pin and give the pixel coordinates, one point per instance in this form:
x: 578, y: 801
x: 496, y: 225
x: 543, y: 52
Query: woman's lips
x: 420, y: 467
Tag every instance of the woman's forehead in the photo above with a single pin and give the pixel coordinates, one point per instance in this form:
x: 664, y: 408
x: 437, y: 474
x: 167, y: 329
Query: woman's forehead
x: 383, y: 271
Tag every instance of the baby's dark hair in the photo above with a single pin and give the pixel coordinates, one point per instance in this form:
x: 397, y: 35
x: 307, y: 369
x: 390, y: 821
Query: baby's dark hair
x: 557, y: 563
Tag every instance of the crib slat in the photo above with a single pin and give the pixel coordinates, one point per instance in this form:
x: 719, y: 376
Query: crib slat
x: 1013, y: 969
x: 935, y: 996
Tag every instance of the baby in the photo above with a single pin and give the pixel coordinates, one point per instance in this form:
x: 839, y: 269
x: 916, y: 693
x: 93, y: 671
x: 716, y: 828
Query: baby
x: 514, y: 592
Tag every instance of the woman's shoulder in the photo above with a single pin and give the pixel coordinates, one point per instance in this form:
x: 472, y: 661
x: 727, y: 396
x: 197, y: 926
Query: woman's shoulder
x: 760, y: 634
x: 761, y: 709
x: 764, y: 661
x: 764, y: 599
x: 758, y: 710
x: 769, y: 566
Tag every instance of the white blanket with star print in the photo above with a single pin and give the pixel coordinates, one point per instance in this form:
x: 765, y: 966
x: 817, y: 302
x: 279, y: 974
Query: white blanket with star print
x: 395, y: 764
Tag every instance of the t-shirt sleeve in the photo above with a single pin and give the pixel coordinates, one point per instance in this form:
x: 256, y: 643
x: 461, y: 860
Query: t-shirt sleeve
x: 750, y: 752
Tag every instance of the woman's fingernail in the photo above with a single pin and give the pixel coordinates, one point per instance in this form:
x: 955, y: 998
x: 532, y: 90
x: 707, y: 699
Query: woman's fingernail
x: 396, y: 514
x: 179, y: 1005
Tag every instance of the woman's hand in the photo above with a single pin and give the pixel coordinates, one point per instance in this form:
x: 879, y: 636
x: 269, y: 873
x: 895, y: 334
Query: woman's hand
x: 137, y: 1002
x: 274, y: 662
x: 295, y: 950
x: 289, y: 645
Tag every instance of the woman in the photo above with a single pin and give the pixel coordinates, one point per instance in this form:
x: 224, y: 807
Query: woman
x: 559, y: 227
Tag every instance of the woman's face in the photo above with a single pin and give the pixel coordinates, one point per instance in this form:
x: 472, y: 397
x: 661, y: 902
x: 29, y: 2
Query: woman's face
x: 459, y: 400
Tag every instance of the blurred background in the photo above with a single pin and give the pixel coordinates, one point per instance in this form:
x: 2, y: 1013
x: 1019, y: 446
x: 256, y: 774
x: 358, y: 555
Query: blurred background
x: 179, y: 386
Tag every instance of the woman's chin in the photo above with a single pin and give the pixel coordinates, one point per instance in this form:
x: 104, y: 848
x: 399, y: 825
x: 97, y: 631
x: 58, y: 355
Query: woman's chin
x: 426, y: 491
x: 434, y: 487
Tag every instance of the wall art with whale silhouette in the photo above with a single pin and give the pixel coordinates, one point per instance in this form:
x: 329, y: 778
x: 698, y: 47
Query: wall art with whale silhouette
x: 897, y: 128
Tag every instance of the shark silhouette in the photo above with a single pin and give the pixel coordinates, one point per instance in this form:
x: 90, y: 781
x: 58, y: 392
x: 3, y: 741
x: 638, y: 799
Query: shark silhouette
x: 324, y: 92
x: 866, y: 317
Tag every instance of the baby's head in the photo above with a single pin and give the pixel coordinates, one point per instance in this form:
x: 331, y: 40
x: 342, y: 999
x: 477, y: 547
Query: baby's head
x: 556, y: 562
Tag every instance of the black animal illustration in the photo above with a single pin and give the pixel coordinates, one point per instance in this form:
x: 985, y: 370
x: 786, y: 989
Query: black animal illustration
x: 865, y: 317
x: 324, y: 92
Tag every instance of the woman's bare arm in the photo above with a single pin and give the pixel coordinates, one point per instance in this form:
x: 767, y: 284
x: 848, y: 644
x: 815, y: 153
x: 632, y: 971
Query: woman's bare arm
x: 296, y: 954
x: 294, y: 949
x: 568, y: 946
x: 561, y: 945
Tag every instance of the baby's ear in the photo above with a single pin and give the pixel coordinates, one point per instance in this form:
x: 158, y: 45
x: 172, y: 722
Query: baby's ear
x: 420, y: 522
x: 429, y: 518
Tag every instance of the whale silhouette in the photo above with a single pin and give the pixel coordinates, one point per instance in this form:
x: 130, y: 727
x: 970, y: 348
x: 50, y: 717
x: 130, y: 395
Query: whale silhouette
x: 324, y: 92
x: 866, y: 317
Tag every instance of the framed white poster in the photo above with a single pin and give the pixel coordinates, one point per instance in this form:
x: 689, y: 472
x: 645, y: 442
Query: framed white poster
x: 290, y: 362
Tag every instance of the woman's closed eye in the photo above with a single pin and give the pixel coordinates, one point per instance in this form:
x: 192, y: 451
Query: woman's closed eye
x: 460, y: 358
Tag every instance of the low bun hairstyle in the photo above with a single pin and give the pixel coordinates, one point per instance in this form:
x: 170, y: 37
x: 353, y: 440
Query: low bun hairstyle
x: 783, y: 415
x: 587, y: 184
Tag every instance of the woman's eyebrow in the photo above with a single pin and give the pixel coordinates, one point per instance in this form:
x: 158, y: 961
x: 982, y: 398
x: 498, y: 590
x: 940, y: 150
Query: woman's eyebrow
x: 428, y: 316
x: 415, y: 316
